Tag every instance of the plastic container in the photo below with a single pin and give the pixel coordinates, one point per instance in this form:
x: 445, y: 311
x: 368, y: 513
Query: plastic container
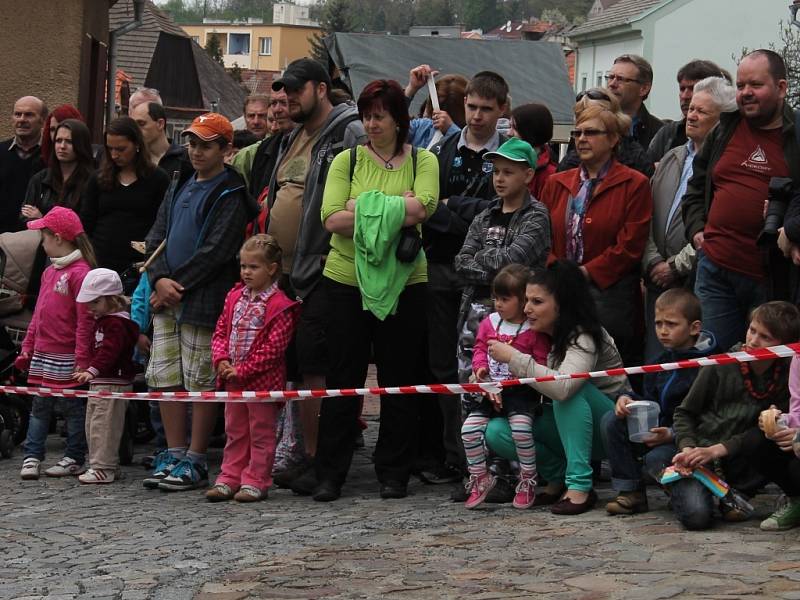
x: 643, y: 417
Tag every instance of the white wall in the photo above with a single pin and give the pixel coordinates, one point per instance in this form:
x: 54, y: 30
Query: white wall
x: 594, y: 59
x: 709, y: 29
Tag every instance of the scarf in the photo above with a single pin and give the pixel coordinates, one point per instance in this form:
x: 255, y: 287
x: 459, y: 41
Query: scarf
x: 61, y: 262
x: 576, y: 211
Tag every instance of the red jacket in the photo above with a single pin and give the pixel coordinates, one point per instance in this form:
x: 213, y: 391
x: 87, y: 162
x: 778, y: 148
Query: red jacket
x: 264, y: 368
x: 115, y: 338
x: 616, y: 225
x: 545, y: 167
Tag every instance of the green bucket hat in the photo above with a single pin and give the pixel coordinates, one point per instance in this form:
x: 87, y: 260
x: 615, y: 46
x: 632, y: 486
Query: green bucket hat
x: 515, y: 150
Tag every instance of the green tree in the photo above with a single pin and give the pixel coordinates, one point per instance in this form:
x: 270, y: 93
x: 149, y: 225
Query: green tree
x: 236, y: 72
x: 433, y: 12
x: 333, y: 15
x: 553, y: 15
x: 481, y: 14
x: 789, y: 49
x: 214, y: 48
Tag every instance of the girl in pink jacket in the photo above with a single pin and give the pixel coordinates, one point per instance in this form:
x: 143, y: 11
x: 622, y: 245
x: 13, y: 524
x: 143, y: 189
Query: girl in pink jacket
x: 58, y: 341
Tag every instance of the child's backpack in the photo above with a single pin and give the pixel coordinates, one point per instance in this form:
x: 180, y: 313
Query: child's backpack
x: 17, y: 257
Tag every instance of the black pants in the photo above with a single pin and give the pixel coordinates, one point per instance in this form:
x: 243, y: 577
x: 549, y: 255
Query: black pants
x: 781, y: 468
x: 396, y: 344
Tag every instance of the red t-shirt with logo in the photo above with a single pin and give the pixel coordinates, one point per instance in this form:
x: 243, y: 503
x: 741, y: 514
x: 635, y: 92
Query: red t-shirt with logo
x: 741, y: 185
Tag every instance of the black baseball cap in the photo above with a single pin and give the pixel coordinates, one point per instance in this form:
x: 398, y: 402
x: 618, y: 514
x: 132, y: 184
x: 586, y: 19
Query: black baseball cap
x: 299, y: 72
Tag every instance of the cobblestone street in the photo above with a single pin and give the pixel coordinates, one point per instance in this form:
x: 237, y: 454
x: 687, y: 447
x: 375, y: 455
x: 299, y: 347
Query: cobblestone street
x: 60, y: 540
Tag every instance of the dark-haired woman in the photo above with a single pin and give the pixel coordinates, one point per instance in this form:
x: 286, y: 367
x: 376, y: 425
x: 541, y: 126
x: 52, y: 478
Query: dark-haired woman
x: 64, y: 182
x: 568, y: 434
x: 376, y: 313
x: 122, y: 200
x: 534, y: 124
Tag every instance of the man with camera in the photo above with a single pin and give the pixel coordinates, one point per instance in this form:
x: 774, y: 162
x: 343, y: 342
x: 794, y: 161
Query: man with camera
x: 723, y: 208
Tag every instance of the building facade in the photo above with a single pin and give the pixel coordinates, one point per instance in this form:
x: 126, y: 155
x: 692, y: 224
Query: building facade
x: 670, y: 33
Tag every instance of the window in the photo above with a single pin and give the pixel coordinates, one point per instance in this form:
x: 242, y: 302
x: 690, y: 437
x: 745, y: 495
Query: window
x: 265, y: 46
x: 239, y: 43
x: 599, y: 81
x: 583, y: 82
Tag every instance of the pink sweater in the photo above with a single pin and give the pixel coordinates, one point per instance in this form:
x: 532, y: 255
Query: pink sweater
x: 794, y: 393
x: 526, y: 341
x: 60, y: 325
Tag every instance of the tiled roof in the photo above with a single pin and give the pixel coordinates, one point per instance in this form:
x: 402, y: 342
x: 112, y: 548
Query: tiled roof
x: 617, y: 14
x: 217, y: 85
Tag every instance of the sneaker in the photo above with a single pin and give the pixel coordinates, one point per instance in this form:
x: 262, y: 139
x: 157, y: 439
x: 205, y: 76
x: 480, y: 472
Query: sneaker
x: 65, y: 467
x: 98, y: 476
x: 162, y: 466
x: 479, y: 487
x: 250, y: 493
x: 784, y: 518
x: 30, y: 468
x: 186, y: 475
x: 221, y: 492
x: 628, y: 503
x: 441, y: 473
x: 525, y: 493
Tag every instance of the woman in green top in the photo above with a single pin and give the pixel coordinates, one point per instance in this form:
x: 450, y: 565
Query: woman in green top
x: 389, y: 188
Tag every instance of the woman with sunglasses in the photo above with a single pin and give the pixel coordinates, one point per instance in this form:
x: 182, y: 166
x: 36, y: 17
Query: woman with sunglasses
x: 600, y: 218
x: 629, y: 151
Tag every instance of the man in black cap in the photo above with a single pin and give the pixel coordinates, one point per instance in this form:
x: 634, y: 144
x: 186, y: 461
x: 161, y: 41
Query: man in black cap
x: 295, y: 201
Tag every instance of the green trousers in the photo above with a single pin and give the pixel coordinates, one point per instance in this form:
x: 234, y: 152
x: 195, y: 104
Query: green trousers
x: 567, y: 438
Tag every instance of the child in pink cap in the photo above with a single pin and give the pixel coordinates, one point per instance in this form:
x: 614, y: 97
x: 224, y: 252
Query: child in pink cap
x: 58, y: 341
x: 110, y: 369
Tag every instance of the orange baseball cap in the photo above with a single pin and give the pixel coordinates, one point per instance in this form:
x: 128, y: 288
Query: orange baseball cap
x: 210, y: 126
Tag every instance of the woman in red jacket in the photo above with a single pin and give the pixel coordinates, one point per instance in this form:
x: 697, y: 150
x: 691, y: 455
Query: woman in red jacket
x: 600, y: 218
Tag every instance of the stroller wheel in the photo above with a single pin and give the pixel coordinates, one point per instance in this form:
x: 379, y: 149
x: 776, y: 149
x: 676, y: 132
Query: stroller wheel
x: 6, y: 443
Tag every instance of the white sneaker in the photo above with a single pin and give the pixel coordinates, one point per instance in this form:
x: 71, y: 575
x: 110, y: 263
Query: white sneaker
x: 30, y: 468
x: 98, y: 476
x: 66, y: 466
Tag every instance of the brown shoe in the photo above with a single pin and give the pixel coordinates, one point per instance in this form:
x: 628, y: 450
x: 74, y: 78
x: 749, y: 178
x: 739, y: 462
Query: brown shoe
x: 219, y: 493
x: 628, y: 503
x: 565, y: 506
x: 250, y: 493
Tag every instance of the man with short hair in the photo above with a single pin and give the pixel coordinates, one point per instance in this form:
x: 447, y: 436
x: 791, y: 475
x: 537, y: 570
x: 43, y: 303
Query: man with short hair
x: 723, y: 208
x: 630, y: 80
x: 143, y: 95
x: 254, y: 112
x: 466, y: 188
x: 152, y: 120
x: 20, y: 159
x: 673, y: 134
x: 294, y: 199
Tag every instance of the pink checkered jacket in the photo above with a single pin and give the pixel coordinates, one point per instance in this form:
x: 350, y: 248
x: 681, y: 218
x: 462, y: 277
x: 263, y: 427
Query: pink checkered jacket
x: 264, y: 365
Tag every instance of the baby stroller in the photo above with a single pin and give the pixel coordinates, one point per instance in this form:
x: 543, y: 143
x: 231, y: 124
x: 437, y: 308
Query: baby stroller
x: 18, y: 265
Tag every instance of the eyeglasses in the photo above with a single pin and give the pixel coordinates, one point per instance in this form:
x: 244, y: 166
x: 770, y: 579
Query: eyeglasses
x: 576, y: 133
x: 592, y: 94
x: 609, y: 77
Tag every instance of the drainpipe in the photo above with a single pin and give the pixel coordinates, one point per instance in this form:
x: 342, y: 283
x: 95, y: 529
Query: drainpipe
x: 793, y: 8
x: 113, y: 37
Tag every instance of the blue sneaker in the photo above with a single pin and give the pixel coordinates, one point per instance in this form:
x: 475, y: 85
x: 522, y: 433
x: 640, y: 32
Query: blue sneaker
x: 186, y: 475
x: 162, y: 465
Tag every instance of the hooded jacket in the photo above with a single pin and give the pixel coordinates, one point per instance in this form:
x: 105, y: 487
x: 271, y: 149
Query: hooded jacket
x: 340, y: 131
x: 264, y: 367
x: 669, y: 388
x: 213, y: 267
x: 114, y: 340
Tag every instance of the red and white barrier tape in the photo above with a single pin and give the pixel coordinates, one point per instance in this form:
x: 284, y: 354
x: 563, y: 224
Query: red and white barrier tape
x: 785, y: 351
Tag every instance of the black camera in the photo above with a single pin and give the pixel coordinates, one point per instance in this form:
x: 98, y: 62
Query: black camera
x: 409, y: 244
x: 780, y: 195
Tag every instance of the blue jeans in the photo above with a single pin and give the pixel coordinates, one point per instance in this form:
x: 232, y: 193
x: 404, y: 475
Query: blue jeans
x: 727, y: 298
x: 74, y: 412
x: 624, y: 456
x: 692, y: 503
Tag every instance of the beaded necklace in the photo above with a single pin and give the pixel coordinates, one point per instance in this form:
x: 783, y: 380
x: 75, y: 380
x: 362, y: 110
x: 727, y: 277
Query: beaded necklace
x: 747, y: 378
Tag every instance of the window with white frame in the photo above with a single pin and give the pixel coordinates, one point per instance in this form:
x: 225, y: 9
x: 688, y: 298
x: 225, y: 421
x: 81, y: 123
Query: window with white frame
x: 599, y: 80
x: 265, y: 46
x: 239, y: 43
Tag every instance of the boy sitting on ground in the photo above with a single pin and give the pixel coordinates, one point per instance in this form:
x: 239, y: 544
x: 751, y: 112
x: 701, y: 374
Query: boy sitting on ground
x: 678, y: 325
x: 717, y: 423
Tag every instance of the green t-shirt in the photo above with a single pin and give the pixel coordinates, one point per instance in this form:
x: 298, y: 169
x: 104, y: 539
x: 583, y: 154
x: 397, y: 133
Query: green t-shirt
x: 368, y: 176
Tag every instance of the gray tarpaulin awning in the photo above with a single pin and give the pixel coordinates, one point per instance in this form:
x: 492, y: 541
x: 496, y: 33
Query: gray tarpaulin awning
x: 535, y: 71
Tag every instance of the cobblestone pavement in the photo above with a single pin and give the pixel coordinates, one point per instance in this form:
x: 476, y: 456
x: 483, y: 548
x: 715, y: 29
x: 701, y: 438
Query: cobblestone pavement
x: 60, y: 540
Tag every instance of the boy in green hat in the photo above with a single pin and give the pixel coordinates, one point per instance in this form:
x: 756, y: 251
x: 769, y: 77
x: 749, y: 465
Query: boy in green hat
x: 513, y: 229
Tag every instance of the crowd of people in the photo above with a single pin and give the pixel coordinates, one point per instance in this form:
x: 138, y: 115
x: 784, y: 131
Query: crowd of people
x: 331, y: 233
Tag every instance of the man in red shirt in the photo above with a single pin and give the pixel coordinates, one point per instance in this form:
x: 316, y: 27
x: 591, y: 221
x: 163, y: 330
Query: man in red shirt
x: 723, y: 208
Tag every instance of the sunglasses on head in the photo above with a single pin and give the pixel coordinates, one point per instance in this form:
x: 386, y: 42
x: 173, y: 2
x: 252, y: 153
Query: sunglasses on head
x: 592, y: 95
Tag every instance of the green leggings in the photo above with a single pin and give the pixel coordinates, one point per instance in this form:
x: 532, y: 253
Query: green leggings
x: 567, y: 438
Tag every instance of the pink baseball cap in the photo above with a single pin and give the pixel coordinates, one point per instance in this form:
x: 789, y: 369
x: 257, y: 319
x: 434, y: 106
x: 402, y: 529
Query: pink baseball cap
x: 99, y: 283
x: 60, y: 220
